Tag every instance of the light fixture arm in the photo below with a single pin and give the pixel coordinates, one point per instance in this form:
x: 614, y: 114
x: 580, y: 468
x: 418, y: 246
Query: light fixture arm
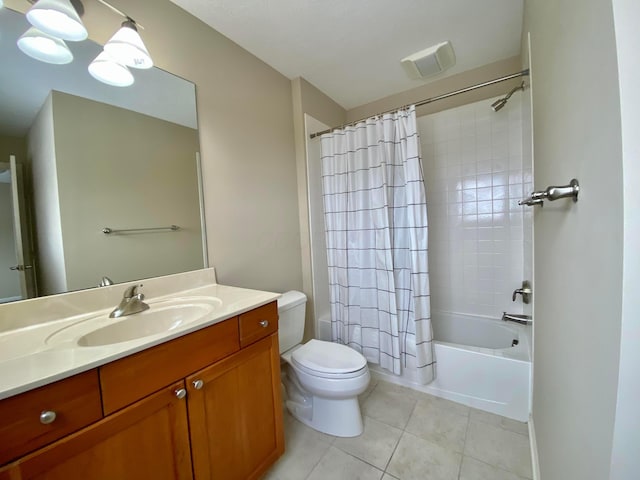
x: 122, y: 14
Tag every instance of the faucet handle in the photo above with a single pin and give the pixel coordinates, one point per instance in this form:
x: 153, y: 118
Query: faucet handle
x: 525, y: 291
x: 517, y: 291
x: 132, y: 291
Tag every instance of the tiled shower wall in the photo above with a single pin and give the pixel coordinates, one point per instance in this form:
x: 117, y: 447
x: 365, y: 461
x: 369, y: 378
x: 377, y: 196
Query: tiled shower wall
x: 475, y: 175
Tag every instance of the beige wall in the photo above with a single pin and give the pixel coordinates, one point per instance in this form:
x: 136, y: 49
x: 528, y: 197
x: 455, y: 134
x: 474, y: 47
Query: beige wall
x: 446, y: 85
x: 46, y: 203
x: 578, y: 247
x: 246, y: 138
x: 107, y: 176
x: 308, y: 100
x: 12, y: 146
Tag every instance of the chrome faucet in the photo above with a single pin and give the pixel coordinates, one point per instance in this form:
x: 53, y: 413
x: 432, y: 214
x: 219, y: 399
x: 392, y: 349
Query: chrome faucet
x: 517, y: 318
x: 525, y: 291
x: 132, y: 302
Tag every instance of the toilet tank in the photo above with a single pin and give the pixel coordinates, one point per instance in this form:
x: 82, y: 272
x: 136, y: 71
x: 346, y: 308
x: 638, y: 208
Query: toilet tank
x: 291, y: 307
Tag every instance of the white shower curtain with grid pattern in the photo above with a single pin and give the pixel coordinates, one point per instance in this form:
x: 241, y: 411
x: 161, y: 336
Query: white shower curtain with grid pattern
x: 376, y: 229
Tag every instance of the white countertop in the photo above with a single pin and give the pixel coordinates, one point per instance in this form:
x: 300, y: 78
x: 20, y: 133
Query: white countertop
x: 29, y: 358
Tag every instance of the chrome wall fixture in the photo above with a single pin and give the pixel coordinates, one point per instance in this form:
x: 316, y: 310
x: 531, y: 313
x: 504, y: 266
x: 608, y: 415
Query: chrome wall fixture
x: 553, y: 193
x: 109, y: 230
x: 516, y: 318
x: 501, y: 102
x: 525, y: 291
x: 426, y: 101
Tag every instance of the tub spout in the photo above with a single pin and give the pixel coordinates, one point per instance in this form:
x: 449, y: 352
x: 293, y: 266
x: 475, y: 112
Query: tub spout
x: 517, y: 318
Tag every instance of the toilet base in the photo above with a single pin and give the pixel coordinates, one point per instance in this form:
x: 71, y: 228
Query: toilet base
x: 339, y: 417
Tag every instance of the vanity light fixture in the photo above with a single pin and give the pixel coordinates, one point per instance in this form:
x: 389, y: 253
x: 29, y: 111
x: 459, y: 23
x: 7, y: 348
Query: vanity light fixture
x: 44, y: 47
x: 127, y: 47
x: 57, y: 18
x: 106, y: 69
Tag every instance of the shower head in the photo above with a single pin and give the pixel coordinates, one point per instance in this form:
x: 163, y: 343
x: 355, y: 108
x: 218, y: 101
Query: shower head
x: 501, y: 102
x: 498, y: 104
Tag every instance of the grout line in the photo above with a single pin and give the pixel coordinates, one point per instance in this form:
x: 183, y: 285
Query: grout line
x: 464, y: 445
x: 361, y: 460
x: 318, y: 462
x: 413, y: 409
x: 393, y: 453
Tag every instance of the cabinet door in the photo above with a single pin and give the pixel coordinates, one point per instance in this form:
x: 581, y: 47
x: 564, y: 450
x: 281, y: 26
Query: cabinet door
x: 149, y: 439
x: 235, y: 414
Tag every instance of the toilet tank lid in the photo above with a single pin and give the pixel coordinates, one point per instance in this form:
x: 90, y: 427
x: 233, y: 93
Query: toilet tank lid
x: 291, y: 299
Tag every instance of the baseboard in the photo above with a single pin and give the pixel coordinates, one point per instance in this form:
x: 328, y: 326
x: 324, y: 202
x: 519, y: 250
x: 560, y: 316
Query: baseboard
x: 535, y: 465
x: 10, y: 299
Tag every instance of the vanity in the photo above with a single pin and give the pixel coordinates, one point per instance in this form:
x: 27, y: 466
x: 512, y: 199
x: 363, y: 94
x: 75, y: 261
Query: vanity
x: 196, y: 398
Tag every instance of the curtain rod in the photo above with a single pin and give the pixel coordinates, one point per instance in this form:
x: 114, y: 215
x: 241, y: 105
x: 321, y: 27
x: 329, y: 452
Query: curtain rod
x: 432, y: 99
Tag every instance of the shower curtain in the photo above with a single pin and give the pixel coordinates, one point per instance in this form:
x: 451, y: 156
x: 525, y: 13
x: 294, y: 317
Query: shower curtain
x: 376, y: 229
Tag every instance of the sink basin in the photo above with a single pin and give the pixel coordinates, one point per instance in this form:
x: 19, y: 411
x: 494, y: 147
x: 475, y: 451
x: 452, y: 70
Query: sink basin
x: 162, y: 317
x: 144, y: 324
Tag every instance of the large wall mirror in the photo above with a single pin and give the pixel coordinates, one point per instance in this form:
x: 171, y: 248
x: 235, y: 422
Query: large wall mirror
x: 77, y: 157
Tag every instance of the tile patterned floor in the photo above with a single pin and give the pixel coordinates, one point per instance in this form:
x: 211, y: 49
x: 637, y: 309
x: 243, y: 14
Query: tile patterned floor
x: 409, y: 435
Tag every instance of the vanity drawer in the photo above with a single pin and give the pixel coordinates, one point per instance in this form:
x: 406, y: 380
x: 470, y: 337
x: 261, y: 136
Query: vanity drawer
x: 136, y: 376
x: 75, y: 401
x: 258, y: 323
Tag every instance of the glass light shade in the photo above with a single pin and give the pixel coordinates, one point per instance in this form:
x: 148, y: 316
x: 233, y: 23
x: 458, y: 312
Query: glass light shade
x: 127, y: 47
x: 57, y: 18
x: 44, y: 47
x: 107, y: 70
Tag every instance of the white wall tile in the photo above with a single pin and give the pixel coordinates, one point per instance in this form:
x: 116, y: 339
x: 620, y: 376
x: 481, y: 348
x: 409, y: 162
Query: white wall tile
x: 476, y: 169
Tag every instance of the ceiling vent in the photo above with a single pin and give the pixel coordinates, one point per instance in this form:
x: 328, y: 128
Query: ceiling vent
x: 430, y: 61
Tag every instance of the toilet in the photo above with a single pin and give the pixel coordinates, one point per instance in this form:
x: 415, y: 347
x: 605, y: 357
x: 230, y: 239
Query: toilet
x: 322, y: 379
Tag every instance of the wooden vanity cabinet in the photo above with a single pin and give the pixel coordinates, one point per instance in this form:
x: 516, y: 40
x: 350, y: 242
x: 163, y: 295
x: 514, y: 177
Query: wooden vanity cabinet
x: 235, y: 414
x: 219, y: 421
x: 149, y: 439
x: 235, y: 406
x: 38, y: 417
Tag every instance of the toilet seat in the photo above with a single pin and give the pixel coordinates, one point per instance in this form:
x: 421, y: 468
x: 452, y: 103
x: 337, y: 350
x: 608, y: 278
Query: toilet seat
x: 328, y: 360
x: 334, y: 376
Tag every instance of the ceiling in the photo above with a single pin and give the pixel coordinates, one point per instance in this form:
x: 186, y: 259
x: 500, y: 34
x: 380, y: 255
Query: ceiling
x: 351, y: 49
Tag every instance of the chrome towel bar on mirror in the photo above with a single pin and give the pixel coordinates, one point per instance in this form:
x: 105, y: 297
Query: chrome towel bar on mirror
x: 109, y: 230
x: 553, y: 193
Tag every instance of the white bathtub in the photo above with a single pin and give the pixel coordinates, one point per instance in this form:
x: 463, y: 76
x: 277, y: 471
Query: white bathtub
x: 477, y: 364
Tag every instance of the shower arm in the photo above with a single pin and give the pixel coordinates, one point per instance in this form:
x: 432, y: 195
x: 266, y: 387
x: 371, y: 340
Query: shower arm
x: 514, y: 90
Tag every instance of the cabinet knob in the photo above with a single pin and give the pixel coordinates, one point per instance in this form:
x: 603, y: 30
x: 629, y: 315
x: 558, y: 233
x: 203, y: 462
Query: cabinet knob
x: 264, y: 323
x: 47, y: 417
x: 181, y: 393
x: 197, y: 384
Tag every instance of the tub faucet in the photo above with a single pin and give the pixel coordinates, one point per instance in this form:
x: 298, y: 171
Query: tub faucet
x: 517, y: 318
x: 132, y: 302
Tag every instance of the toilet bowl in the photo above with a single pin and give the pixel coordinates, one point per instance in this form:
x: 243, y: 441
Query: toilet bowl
x: 322, y: 379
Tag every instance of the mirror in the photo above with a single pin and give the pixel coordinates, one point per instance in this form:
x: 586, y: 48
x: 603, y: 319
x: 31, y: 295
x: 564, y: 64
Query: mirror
x: 89, y: 156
